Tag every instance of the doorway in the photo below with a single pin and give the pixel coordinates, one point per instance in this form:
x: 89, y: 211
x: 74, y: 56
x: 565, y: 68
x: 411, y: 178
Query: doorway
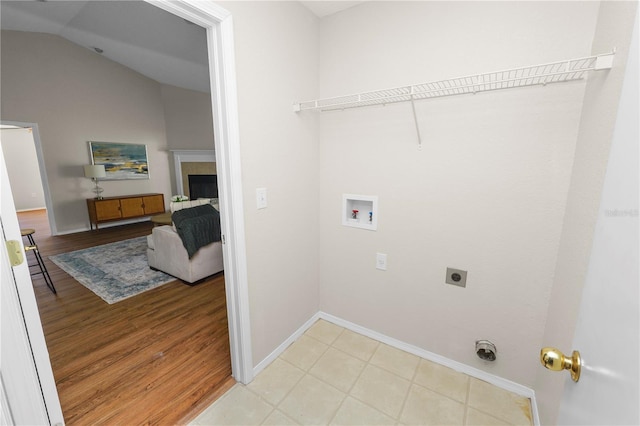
x: 218, y: 25
x: 21, y: 141
x: 166, y: 350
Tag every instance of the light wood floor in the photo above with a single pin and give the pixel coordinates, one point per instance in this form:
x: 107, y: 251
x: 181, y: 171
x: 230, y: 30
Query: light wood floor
x: 157, y: 358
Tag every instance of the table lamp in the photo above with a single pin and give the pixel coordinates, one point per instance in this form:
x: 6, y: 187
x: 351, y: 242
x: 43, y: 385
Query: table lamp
x: 95, y: 171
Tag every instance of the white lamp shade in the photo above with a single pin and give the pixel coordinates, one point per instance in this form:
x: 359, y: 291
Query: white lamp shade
x: 95, y: 171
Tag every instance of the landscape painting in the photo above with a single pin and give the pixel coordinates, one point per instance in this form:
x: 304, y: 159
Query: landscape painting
x: 121, y: 160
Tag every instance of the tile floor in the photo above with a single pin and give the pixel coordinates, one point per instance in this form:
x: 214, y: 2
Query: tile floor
x: 333, y: 376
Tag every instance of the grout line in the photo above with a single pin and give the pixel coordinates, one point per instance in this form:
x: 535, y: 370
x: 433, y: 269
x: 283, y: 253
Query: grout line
x: 367, y: 363
x: 273, y: 409
x: 434, y: 390
x: 262, y: 399
x: 313, y: 364
x: 304, y: 373
x: 412, y: 383
x: 287, y: 416
x: 335, y: 413
x: 466, y: 401
x: 473, y: 372
x: 404, y: 401
x: 411, y: 380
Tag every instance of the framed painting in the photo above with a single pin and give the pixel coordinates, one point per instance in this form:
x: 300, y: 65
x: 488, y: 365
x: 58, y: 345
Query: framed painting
x: 120, y: 160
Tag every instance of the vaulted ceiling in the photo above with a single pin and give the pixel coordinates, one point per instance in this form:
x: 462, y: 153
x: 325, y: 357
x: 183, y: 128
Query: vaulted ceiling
x: 135, y: 34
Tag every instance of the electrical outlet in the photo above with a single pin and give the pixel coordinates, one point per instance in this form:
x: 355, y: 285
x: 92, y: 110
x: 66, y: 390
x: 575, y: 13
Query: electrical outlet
x: 381, y: 261
x: 456, y: 277
x: 261, y: 198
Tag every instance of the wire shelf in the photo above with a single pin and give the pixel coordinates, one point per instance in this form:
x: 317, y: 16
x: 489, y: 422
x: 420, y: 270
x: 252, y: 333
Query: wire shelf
x: 555, y: 72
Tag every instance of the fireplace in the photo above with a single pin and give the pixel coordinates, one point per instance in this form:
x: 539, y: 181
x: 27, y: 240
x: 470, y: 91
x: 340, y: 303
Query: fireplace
x: 203, y: 186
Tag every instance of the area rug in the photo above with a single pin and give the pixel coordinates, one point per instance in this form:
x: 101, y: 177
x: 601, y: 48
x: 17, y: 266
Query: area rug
x: 114, y: 271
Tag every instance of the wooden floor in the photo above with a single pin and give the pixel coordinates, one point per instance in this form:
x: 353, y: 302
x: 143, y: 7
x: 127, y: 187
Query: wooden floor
x: 157, y: 358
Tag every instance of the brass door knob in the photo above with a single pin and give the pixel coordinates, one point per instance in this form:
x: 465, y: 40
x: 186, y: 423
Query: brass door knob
x: 555, y: 360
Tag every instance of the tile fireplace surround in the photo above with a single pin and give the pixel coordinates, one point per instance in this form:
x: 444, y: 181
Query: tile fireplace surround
x: 195, y: 162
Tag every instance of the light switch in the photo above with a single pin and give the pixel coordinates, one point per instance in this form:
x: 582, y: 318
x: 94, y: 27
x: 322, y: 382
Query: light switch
x: 381, y: 261
x: 261, y: 198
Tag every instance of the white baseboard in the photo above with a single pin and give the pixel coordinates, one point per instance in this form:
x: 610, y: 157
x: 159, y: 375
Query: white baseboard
x: 105, y: 225
x: 30, y: 210
x: 455, y: 365
x: 284, y: 345
x: 534, y: 410
x: 500, y: 382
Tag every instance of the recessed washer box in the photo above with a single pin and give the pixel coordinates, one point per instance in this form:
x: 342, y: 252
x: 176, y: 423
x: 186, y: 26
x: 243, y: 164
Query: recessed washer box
x: 360, y: 211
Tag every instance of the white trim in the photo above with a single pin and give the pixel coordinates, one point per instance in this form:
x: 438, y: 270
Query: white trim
x: 35, y: 133
x: 225, y: 114
x: 455, y: 365
x: 32, y: 209
x: 28, y: 380
x: 6, y: 417
x: 192, y: 156
x: 284, y: 345
x: 534, y: 410
x: 500, y: 382
x: 220, y: 45
x: 232, y: 207
x: 106, y: 225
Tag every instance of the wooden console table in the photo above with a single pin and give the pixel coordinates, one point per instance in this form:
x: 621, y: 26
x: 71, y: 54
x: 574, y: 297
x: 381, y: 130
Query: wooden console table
x: 111, y: 209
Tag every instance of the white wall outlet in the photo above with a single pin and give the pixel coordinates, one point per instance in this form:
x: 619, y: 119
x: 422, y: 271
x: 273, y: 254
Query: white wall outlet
x: 261, y: 198
x: 381, y: 261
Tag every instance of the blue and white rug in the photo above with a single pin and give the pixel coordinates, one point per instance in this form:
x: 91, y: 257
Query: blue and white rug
x: 114, y: 271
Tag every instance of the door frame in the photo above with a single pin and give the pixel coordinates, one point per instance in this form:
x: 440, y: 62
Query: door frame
x: 222, y: 78
x: 31, y: 394
x: 219, y: 26
x: 35, y: 133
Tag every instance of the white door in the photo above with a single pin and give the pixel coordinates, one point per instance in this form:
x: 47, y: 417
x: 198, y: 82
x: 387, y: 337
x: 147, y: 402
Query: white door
x: 607, y: 333
x: 27, y: 383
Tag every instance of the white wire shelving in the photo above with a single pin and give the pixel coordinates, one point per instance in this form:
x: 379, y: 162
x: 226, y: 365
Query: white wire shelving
x: 554, y: 72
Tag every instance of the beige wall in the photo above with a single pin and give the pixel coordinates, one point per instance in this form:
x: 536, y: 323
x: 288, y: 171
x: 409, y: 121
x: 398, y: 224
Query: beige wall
x: 595, y: 133
x: 22, y: 167
x: 277, y: 62
x: 81, y: 96
x: 188, y: 118
x: 75, y: 96
x: 487, y: 193
x: 490, y: 192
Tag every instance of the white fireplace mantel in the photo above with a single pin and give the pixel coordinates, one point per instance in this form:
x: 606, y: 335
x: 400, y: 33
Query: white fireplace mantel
x: 190, y: 156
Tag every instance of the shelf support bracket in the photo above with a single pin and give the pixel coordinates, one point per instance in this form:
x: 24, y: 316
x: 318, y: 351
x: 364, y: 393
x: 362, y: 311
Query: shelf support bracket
x: 415, y: 120
x: 605, y: 62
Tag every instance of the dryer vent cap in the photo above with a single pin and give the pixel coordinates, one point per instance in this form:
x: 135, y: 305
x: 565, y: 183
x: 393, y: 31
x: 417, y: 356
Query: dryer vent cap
x: 486, y: 350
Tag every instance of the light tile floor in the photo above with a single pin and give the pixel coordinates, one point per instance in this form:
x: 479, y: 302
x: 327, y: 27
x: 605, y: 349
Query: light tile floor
x: 333, y: 376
